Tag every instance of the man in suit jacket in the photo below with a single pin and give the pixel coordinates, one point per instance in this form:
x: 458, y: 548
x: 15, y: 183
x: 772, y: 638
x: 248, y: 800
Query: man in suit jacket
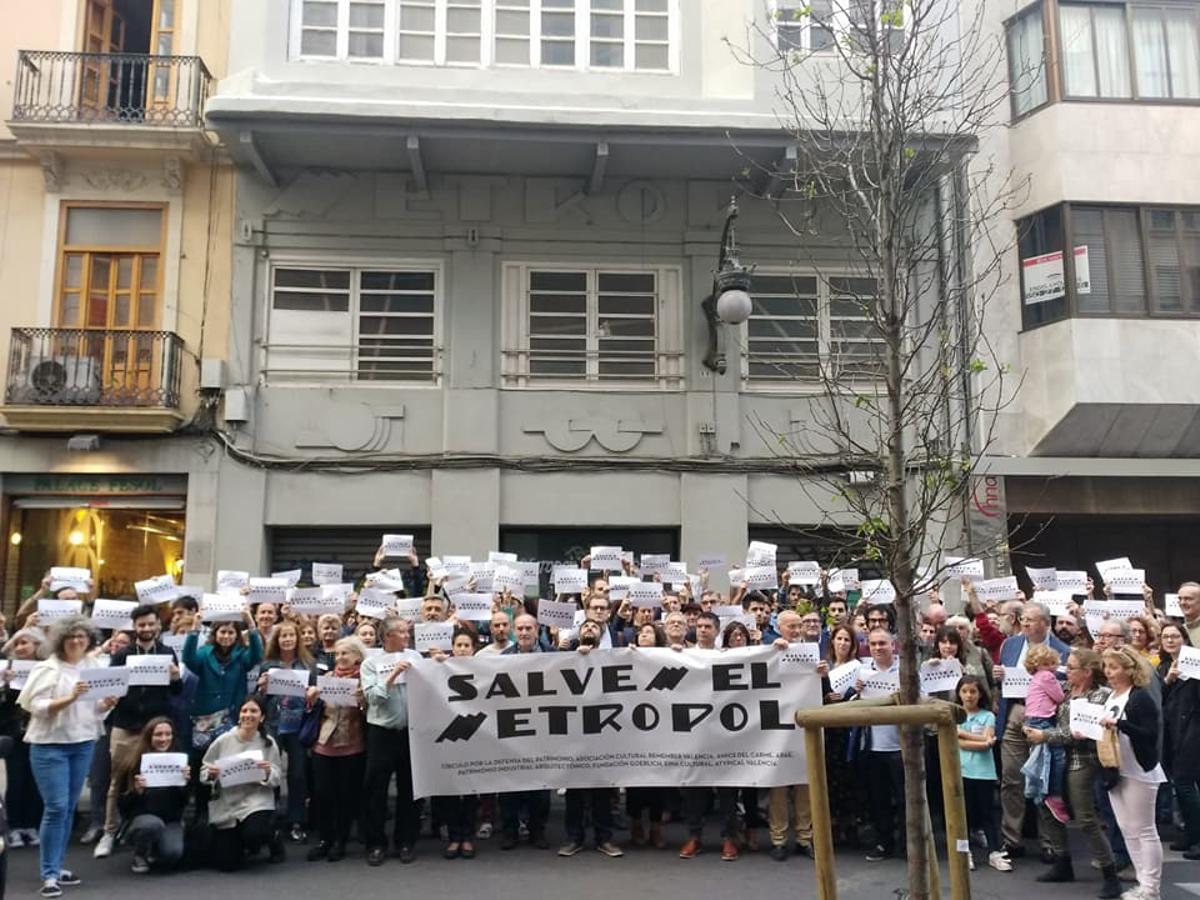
x: 1014, y: 749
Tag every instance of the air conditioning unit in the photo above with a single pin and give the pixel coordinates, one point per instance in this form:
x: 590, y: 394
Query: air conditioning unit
x: 60, y: 380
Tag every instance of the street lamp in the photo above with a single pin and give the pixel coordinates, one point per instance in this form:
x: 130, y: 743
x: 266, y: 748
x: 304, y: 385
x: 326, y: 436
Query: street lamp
x: 729, y: 303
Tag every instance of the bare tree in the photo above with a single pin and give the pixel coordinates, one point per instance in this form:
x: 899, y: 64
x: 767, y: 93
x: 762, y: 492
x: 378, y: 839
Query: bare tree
x: 887, y: 103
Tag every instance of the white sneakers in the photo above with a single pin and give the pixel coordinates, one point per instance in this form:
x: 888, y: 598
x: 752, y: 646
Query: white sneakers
x: 104, y: 846
x: 999, y: 861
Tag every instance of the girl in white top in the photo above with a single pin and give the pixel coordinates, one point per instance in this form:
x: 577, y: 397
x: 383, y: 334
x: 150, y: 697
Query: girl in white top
x: 62, y: 732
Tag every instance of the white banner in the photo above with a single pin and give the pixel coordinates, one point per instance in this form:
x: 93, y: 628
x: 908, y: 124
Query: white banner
x: 648, y: 717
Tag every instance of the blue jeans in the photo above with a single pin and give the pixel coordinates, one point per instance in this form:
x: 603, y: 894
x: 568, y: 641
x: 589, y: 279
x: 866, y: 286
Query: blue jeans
x: 60, y: 771
x: 1058, y: 755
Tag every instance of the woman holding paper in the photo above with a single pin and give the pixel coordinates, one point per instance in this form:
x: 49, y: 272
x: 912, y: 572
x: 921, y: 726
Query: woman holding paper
x: 22, y: 803
x: 1085, y: 683
x: 1181, y: 736
x: 154, y: 811
x: 242, y: 815
x: 846, y: 794
x: 458, y: 813
x: 62, y: 733
x: 339, y: 756
x: 286, y: 650
x: 1132, y: 713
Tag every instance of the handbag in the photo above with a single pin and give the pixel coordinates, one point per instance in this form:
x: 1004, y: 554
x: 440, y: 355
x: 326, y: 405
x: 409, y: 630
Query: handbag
x: 1108, y: 753
x: 310, y: 724
x: 209, y: 727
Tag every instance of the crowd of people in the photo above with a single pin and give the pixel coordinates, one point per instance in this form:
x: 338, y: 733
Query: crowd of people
x: 214, y: 764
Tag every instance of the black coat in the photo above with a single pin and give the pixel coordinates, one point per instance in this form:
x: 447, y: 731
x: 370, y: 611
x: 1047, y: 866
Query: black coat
x: 143, y: 703
x: 1142, y: 724
x: 1181, y: 727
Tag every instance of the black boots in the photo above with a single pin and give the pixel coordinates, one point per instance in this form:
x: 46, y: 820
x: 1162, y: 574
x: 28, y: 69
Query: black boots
x: 1060, y: 870
x: 1111, y: 889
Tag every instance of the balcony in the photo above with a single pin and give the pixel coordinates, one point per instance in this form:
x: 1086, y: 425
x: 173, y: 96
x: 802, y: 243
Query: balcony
x: 63, y: 100
x: 70, y: 379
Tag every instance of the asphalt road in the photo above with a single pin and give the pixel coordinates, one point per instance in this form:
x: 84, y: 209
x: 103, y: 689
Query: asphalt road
x: 527, y: 873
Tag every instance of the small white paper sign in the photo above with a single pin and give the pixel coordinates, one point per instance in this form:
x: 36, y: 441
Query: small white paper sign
x: 338, y: 691
x: 761, y: 578
x: 879, y: 684
x: 1055, y: 601
x: 104, y: 682
x: 531, y: 573
x: 326, y: 573
x: 1043, y: 579
x: 1097, y: 611
x: 385, y: 663
x: 1126, y: 581
x: 268, y: 590
x: 849, y: 578
x: 760, y: 553
x: 570, y: 581
x: 620, y: 585
x: 556, y: 614
x: 842, y: 678
x: 287, y: 682
x: 499, y: 557
x: 387, y: 580
x: 800, y: 653
x: 222, y: 608
x: 70, y: 577
x: 645, y: 594
x: 483, y: 572
x: 605, y: 559
x: 397, y: 545
x: 241, y: 768
x: 1015, y: 685
x: 997, y: 590
x: 653, y: 563
x: 939, y: 675
x: 433, y: 636
x: 1074, y: 582
x: 472, y: 607
x: 159, y: 589
x: 1171, y: 606
x: 315, y: 601
x: 1085, y: 718
x: 149, y: 669
x: 963, y: 567
x: 291, y: 577
x: 50, y: 609
x: 1189, y: 662
x: 737, y: 576
x: 1104, y: 567
x: 20, y: 669
x: 113, y: 615
x: 674, y: 573
x: 375, y: 604
x: 409, y: 608
x: 878, y: 592
x: 509, y: 578
x: 228, y: 579
x: 804, y: 572
x: 711, y: 562
x: 457, y: 565
x: 161, y: 770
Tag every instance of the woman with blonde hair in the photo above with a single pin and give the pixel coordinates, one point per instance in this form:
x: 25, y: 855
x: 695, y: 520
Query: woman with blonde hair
x: 286, y: 650
x: 339, y: 756
x: 1133, y: 715
x: 1143, y: 637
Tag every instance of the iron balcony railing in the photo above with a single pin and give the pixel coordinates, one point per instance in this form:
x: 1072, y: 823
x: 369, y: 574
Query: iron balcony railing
x: 59, y: 87
x: 86, y: 367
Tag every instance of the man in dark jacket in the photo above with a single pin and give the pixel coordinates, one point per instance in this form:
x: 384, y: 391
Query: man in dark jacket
x: 536, y: 804
x: 136, y: 708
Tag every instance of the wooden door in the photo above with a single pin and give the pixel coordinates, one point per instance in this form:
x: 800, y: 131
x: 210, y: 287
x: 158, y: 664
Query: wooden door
x: 100, y: 82
x: 162, y: 81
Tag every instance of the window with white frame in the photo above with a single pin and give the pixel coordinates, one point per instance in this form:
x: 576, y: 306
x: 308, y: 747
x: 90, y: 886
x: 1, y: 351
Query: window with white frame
x: 577, y: 325
x: 804, y: 25
x: 804, y: 324
x: 599, y: 35
x: 343, y: 29
x: 814, y: 26
x: 340, y: 323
